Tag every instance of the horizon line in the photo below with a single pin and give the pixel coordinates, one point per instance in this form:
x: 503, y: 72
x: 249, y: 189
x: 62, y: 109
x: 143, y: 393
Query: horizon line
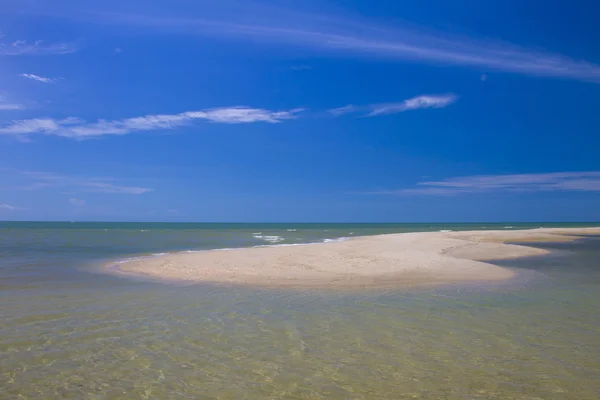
x: 298, y: 223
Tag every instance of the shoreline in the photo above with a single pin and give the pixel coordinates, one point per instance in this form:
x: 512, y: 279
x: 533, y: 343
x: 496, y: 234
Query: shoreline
x: 379, y: 261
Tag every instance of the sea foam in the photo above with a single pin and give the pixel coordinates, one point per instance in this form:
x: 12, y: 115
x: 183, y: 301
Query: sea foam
x: 270, y: 239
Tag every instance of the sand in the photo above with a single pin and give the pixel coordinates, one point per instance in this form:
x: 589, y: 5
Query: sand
x: 422, y: 258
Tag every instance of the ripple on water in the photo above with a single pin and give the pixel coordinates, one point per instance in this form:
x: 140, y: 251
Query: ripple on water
x: 103, y: 337
x: 165, y: 342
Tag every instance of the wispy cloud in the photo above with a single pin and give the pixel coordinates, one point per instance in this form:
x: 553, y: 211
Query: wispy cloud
x: 39, y: 47
x: 415, y: 103
x: 426, y: 101
x: 359, y: 37
x: 343, y: 110
x: 34, y: 180
x: 76, y: 202
x: 38, y: 78
x: 587, y: 181
x: 107, y: 187
x: 10, y: 106
x: 80, y: 129
x: 6, y: 105
x: 8, y: 207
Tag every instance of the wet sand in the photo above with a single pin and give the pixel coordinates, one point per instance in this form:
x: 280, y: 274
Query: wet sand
x: 421, y: 258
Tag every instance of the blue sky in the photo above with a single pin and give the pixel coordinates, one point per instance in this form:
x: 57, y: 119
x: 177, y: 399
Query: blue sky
x: 366, y: 111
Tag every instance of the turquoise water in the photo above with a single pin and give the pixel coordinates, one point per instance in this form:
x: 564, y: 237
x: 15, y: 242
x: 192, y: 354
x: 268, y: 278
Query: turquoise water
x: 68, y: 331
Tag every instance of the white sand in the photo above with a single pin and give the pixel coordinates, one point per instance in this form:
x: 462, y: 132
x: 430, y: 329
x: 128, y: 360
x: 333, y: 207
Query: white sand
x: 369, y: 261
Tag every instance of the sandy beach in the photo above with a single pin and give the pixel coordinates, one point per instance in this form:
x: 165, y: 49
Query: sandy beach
x: 421, y: 258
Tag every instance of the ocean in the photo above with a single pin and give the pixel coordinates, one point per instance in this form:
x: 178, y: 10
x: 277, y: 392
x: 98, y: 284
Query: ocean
x: 69, y: 330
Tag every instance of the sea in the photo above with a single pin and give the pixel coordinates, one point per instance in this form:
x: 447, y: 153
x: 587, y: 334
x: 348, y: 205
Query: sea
x: 70, y: 330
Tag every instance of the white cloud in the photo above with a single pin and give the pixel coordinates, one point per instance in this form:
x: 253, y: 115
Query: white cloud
x: 237, y: 115
x: 10, y: 106
x: 30, y: 126
x: 587, y: 181
x: 76, y: 128
x: 6, y: 105
x: 38, y: 78
x: 76, y: 202
x: 39, y: 47
x: 105, y: 187
x: 360, y: 37
x: 343, y: 110
x: 8, y: 207
x: 32, y: 180
x: 415, y: 103
x: 425, y: 101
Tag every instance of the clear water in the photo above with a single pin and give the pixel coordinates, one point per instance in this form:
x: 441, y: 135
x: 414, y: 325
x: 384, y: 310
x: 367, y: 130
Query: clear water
x: 67, y: 331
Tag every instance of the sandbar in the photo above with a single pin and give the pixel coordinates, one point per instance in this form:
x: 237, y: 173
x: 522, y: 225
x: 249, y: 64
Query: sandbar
x: 419, y: 258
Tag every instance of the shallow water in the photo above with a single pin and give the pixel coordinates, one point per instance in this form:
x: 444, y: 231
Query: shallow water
x: 68, y: 332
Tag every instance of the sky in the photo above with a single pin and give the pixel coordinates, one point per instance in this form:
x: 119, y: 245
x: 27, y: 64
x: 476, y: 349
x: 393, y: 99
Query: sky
x: 286, y: 111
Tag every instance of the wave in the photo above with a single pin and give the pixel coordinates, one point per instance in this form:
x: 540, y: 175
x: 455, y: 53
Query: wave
x: 445, y: 230
x: 270, y: 239
x: 303, y: 244
x: 138, y: 258
x: 335, y: 240
x: 273, y: 239
x: 279, y: 245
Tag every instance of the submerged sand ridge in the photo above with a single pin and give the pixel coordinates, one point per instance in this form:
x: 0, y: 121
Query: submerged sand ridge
x: 420, y: 258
